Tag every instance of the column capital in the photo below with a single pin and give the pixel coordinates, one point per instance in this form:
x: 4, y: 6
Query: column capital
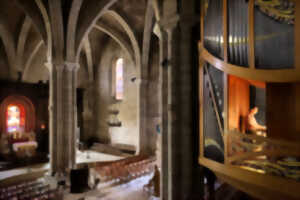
x: 72, y: 66
x: 168, y: 23
x: 58, y: 66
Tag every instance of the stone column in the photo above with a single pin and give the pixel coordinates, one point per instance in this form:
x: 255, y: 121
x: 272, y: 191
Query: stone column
x: 70, y: 112
x: 180, y: 171
x: 62, y: 115
x: 163, y: 110
x: 143, y: 146
x: 87, y: 111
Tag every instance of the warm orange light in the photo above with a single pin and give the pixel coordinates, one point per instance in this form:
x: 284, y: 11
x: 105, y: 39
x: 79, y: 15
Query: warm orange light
x: 13, y: 118
x: 43, y: 127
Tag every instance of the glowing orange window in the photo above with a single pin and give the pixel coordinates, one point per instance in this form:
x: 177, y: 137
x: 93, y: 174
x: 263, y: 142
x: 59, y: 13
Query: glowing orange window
x: 15, y: 118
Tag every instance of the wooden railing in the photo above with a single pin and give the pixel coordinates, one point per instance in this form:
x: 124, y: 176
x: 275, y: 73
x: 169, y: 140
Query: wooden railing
x: 263, y: 155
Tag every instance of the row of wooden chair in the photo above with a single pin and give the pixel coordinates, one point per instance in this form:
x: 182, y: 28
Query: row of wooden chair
x: 125, y: 170
x: 31, y: 190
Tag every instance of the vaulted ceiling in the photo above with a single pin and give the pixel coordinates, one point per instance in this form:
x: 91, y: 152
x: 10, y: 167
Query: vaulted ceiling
x: 32, y: 32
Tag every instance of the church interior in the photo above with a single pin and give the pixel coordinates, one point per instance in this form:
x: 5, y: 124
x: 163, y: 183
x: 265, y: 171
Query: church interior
x: 149, y: 99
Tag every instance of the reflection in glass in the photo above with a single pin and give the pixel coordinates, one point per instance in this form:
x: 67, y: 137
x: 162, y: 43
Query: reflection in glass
x: 212, y: 111
x: 274, y: 42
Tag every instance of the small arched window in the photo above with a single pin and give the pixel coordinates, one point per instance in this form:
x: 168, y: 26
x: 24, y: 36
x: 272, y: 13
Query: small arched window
x: 15, y: 118
x: 119, y: 79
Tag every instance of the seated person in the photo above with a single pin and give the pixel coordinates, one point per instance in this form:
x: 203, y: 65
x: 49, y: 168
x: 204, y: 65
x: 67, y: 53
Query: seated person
x: 153, y: 184
x: 252, y: 124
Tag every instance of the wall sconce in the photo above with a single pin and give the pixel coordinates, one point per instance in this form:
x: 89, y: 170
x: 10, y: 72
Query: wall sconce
x: 133, y: 79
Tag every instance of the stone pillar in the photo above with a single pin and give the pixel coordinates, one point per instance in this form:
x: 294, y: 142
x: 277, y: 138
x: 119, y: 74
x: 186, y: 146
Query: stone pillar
x: 88, y: 102
x: 180, y: 173
x: 70, y: 112
x: 163, y: 110
x: 143, y: 146
x: 62, y: 111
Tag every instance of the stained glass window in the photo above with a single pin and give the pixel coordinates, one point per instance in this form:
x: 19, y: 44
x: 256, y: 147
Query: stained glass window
x: 15, y: 119
x: 119, y: 87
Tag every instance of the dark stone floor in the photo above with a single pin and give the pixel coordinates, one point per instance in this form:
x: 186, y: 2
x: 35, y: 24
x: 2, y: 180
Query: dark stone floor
x: 11, y: 161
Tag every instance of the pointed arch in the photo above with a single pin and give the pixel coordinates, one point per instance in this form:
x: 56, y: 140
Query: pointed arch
x: 9, y: 44
x: 89, y: 58
x: 29, y: 61
x: 46, y: 21
x: 88, y: 18
x: 57, y: 30
x: 155, y: 6
x: 71, y: 32
x: 149, y: 23
x: 22, y: 40
x: 115, y: 35
x: 132, y: 37
x: 32, y: 10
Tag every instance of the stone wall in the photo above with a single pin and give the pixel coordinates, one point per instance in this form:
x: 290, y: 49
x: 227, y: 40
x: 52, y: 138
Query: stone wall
x: 103, y: 100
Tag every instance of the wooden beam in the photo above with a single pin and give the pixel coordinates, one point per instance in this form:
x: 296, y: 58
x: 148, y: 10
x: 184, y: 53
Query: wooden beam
x: 251, y: 36
x: 297, y: 35
x: 266, y: 75
x: 225, y: 46
x: 202, y: 21
x: 201, y: 127
x: 273, y: 184
x: 225, y: 117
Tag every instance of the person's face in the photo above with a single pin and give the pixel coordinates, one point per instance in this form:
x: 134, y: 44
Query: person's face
x: 255, y: 110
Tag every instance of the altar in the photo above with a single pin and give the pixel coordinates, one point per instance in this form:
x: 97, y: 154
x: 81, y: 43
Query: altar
x: 25, y: 149
x: 18, y: 127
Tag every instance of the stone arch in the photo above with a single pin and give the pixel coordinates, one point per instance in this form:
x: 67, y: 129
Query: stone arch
x: 22, y: 40
x: 71, y: 32
x: 117, y: 37
x: 29, y: 111
x: 149, y: 23
x: 46, y: 21
x: 29, y: 61
x: 88, y: 18
x: 57, y: 30
x: 132, y: 37
x: 8, y: 41
x: 32, y: 10
x: 89, y: 58
x: 155, y: 6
